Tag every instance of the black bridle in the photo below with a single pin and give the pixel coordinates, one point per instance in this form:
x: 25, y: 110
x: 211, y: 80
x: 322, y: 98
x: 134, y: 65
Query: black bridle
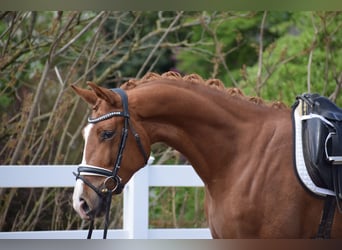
x: 112, y: 183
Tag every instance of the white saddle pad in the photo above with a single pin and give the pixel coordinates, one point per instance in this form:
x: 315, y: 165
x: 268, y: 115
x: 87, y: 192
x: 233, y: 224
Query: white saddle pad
x: 300, y: 166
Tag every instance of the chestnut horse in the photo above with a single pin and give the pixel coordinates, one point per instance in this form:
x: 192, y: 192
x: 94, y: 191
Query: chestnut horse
x: 240, y: 147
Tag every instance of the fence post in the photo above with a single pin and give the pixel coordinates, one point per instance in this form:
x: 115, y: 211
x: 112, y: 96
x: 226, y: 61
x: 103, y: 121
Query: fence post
x: 136, y: 205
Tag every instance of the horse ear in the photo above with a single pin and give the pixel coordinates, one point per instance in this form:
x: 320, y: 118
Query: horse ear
x: 87, y: 95
x: 105, y: 94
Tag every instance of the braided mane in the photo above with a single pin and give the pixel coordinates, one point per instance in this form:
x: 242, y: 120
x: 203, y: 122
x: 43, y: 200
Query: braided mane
x: 196, y: 79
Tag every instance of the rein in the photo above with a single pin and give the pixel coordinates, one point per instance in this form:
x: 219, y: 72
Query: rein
x: 112, y: 182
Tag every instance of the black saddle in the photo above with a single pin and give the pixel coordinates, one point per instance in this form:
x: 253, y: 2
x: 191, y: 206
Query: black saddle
x: 322, y: 141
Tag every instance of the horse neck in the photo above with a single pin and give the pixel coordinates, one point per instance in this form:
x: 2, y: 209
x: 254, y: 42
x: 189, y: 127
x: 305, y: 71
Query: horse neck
x: 204, y: 124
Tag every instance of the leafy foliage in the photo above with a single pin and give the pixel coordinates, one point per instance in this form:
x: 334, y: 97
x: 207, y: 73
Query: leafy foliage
x: 299, y: 53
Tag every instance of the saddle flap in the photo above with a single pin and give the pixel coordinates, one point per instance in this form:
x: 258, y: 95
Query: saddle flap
x: 314, y: 133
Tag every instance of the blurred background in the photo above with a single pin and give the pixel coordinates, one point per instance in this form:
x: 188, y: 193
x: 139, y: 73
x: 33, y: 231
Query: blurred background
x: 275, y: 55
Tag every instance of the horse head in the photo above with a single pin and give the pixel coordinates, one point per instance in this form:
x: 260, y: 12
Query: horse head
x: 115, y: 147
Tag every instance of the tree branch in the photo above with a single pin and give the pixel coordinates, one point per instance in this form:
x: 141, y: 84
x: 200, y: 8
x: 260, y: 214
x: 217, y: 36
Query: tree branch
x: 36, y: 99
x: 158, y: 43
x: 260, y: 57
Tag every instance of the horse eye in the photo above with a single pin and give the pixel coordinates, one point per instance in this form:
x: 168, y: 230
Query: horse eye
x: 107, y: 134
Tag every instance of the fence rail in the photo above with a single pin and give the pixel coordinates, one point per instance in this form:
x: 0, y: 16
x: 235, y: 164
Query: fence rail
x: 135, y: 207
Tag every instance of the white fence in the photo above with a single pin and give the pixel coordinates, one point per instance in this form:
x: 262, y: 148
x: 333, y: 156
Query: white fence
x: 135, y: 208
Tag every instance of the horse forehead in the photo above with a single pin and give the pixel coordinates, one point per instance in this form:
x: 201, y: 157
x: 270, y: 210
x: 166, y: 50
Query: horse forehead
x: 86, y: 131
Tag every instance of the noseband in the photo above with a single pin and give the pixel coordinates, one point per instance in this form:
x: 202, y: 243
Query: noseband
x: 112, y: 183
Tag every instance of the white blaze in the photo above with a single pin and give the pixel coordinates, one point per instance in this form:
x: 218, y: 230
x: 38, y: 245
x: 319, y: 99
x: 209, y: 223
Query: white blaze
x: 86, y: 133
x: 78, y: 190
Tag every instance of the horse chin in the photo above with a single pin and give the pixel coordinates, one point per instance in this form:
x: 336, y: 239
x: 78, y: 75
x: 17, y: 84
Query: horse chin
x: 97, y: 211
x: 100, y: 212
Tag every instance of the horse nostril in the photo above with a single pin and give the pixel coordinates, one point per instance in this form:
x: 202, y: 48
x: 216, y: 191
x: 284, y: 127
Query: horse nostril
x: 84, y: 209
x: 84, y: 205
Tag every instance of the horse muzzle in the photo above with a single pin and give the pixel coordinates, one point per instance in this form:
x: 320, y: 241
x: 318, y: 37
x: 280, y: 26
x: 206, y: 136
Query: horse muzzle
x: 87, y: 204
